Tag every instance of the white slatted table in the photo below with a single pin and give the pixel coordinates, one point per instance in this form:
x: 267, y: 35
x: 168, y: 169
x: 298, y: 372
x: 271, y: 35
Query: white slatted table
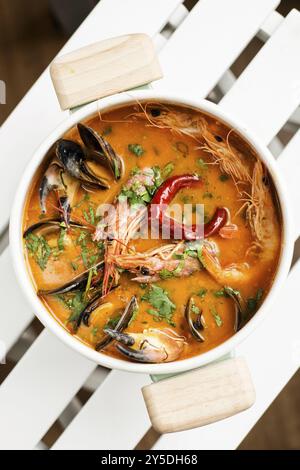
x: 195, y: 57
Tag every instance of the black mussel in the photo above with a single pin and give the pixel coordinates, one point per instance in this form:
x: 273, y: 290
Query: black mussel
x: 73, y: 158
x: 101, y: 150
x: 55, y: 178
x: 121, y: 325
x: 238, y: 302
x: 47, y: 226
x: 120, y: 337
x: 52, y: 179
x: 77, y: 283
x: 194, y: 318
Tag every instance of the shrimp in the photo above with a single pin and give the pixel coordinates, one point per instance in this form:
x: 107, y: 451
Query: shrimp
x: 232, y: 274
x: 120, y: 225
x: 262, y: 217
x: 163, y: 262
x: 257, y: 200
x: 229, y: 159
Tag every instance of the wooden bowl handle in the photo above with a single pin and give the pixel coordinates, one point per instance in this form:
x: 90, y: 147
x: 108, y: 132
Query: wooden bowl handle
x: 104, y: 68
x: 200, y: 397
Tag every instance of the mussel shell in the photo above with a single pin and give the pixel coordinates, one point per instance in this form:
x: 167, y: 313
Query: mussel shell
x: 188, y: 316
x: 101, y: 149
x: 77, y: 283
x: 50, y: 225
x: 122, y: 323
x: 136, y: 355
x: 52, y: 179
x: 120, y: 337
x: 238, y: 301
x: 73, y: 158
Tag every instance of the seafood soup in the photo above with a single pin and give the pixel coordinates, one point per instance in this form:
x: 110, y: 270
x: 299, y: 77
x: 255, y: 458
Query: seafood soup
x: 152, y: 232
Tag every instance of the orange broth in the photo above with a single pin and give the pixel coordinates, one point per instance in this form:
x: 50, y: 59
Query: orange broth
x: 160, y: 147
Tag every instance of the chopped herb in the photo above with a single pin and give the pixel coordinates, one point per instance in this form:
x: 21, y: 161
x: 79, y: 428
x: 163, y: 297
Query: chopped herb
x: 223, y: 177
x: 141, y: 193
x: 220, y: 293
x: 107, y: 130
x: 159, y: 299
x: 75, y: 303
x: 112, y: 322
x: 94, y: 331
x: 195, y: 309
x: 89, y: 253
x: 185, y: 199
x: 85, y: 198
x: 134, y: 315
x: 39, y: 249
x: 116, y: 169
x: 135, y: 171
x: 143, y: 286
x: 178, y: 256
x: 90, y: 216
x: 60, y: 241
x: 208, y: 195
x: 178, y: 268
x: 229, y: 290
x: 202, y: 164
x: 191, y: 253
x: 165, y: 274
x: 200, y: 255
x: 167, y: 170
x: 74, y: 266
x: 88, y: 283
x: 253, y: 302
x: 217, y: 318
x: 136, y: 149
x: 202, y: 292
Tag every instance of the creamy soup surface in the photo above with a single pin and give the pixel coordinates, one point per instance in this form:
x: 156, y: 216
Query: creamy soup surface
x: 152, y: 299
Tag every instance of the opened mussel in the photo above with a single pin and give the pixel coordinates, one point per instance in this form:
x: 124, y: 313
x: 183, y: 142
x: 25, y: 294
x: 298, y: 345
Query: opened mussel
x: 45, y: 227
x: 71, y: 167
x: 100, y: 150
x: 195, y: 320
x: 121, y: 325
x: 238, y: 303
x: 77, y: 283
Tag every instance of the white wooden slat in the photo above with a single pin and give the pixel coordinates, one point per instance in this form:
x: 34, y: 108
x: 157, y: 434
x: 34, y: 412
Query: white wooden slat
x: 15, y: 314
x: 39, y: 113
x: 273, y: 355
x: 208, y: 41
x: 115, y: 417
x: 38, y: 389
x: 270, y: 25
x: 268, y: 91
x: 178, y: 16
x: 289, y: 163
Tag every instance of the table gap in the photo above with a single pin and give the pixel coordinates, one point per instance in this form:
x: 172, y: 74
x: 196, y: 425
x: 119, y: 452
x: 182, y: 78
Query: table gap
x: 17, y: 351
x: 70, y: 411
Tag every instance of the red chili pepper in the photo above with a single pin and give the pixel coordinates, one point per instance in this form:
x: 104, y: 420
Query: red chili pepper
x: 163, y: 197
x: 168, y: 190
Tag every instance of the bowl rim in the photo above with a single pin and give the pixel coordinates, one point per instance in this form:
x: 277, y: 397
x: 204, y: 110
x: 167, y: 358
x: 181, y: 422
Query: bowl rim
x: 16, y: 239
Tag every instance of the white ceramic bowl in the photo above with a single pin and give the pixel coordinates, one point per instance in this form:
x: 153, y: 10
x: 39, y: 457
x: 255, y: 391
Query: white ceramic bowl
x: 16, y: 240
